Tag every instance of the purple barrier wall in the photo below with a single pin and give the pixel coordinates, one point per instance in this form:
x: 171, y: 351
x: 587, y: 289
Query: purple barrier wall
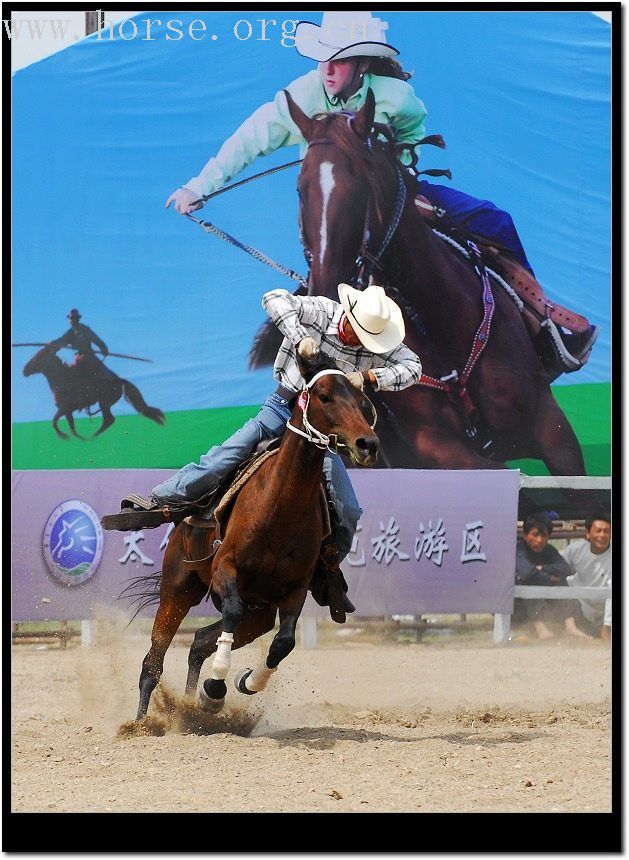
x: 428, y: 541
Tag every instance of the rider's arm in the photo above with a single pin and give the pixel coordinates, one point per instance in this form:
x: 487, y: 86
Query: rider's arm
x: 298, y: 317
x: 64, y: 340
x: 94, y: 338
x: 555, y: 564
x: 267, y: 129
x: 396, y: 370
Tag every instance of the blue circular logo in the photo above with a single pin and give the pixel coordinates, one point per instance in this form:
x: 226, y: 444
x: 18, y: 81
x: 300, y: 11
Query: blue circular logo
x: 73, y: 542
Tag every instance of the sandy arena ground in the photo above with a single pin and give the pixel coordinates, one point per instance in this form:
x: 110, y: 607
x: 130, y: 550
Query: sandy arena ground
x: 361, y: 723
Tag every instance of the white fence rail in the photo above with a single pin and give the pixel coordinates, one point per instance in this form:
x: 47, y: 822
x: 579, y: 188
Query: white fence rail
x: 502, y: 623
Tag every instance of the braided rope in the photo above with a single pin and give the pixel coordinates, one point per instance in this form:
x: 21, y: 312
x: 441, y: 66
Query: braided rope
x: 268, y: 172
x: 498, y: 278
x: 257, y: 255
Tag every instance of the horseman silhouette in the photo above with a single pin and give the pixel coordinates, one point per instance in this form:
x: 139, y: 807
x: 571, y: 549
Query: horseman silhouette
x: 80, y: 338
x: 87, y: 381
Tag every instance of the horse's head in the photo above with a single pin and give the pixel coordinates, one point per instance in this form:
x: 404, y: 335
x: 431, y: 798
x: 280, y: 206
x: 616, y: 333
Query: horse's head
x: 334, y: 407
x: 40, y: 361
x: 347, y: 189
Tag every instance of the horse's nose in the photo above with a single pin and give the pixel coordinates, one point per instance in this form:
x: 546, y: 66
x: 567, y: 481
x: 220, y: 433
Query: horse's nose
x: 368, y: 448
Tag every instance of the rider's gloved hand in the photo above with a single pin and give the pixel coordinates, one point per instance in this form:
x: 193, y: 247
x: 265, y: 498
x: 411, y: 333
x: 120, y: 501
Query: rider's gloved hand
x: 308, y: 348
x: 183, y: 199
x: 356, y: 378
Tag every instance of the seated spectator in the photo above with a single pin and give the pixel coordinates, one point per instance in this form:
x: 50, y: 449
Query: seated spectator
x: 591, y: 560
x: 538, y: 563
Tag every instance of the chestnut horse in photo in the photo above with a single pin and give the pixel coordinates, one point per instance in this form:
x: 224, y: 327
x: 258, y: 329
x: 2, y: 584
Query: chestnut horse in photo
x: 269, y: 547
x: 357, y: 214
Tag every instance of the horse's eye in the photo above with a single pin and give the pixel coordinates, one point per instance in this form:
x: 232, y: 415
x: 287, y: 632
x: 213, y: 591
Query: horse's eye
x: 325, y: 399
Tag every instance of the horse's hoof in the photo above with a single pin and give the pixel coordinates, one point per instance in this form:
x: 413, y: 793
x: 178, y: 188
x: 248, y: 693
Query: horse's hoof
x: 239, y: 682
x: 338, y: 614
x: 212, y: 704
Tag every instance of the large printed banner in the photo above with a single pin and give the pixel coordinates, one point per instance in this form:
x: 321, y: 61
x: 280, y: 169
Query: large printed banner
x: 106, y: 129
x: 428, y: 541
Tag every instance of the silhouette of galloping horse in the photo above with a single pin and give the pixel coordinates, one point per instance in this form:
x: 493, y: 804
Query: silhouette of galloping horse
x: 76, y: 387
x: 271, y: 540
x: 484, y: 396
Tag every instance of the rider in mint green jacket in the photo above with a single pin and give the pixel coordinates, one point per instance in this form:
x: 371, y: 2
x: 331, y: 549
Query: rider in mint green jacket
x: 271, y: 127
x: 353, y: 57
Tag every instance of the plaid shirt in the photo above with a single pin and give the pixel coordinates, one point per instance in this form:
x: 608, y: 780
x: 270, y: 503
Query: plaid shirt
x: 318, y: 317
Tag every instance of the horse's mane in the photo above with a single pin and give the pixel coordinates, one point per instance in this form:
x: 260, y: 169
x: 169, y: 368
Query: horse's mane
x: 316, y: 365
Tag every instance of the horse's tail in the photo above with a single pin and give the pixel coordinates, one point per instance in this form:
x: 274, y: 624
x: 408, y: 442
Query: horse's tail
x: 143, y: 591
x: 268, y: 339
x: 265, y: 346
x: 133, y: 396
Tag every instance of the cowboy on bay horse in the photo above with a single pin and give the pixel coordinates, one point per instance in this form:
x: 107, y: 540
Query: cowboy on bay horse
x: 363, y: 337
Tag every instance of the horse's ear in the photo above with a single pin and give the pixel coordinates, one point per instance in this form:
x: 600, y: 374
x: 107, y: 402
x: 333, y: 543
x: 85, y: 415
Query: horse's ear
x: 306, y: 367
x: 301, y: 120
x: 363, y: 120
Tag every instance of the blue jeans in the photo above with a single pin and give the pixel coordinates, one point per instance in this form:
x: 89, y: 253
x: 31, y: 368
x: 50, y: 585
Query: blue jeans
x: 479, y: 216
x: 194, y: 480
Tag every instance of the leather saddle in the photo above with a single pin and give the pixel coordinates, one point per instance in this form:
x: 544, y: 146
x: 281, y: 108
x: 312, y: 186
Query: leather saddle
x: 562, y: 338
x: 139, y: 512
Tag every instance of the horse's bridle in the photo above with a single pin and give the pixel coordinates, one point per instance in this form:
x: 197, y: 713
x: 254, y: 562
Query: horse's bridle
x: 366, y: 261
x: 319, y: 439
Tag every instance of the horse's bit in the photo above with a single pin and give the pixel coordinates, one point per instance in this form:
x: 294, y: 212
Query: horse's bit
x: 319, y: 439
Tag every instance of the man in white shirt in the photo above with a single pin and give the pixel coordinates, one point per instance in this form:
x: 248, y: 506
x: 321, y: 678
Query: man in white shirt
x: 591, y: 559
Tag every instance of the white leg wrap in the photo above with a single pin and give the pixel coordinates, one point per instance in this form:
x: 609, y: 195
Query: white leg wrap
x: 223, y: 657
x: 258, y: 679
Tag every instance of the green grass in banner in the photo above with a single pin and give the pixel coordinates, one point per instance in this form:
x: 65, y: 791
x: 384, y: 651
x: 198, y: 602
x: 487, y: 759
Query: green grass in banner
x: 132, y: 442
x: 135, y: 442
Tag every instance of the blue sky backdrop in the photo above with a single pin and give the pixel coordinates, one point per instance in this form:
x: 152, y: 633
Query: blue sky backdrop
x: 105, y: 130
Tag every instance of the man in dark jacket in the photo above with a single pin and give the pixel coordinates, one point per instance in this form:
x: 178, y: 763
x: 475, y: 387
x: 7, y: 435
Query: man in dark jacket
x: 80, y: 338
x: 538, y: 563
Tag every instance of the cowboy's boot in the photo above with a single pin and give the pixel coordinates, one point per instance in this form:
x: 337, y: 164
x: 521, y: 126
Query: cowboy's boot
x: 328, y: 585
x: 138, y: 512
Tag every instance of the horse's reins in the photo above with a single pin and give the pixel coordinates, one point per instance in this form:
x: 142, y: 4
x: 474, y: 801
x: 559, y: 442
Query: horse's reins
x: 365, y: 261
x: 455, y: 383
x: 321, y: 440
x: 253, y: 252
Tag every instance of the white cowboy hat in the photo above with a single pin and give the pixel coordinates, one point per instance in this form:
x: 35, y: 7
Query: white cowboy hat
x: 342, y: 35
x: 375, y: 318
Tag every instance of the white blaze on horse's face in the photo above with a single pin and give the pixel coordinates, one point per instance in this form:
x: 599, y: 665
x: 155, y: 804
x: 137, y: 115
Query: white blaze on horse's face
x: 327, y: 184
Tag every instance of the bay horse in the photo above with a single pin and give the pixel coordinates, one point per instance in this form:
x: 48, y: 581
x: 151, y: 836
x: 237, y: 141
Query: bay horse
x: 76, y: 387
x: 357, y: 213
x: 271, y: 541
